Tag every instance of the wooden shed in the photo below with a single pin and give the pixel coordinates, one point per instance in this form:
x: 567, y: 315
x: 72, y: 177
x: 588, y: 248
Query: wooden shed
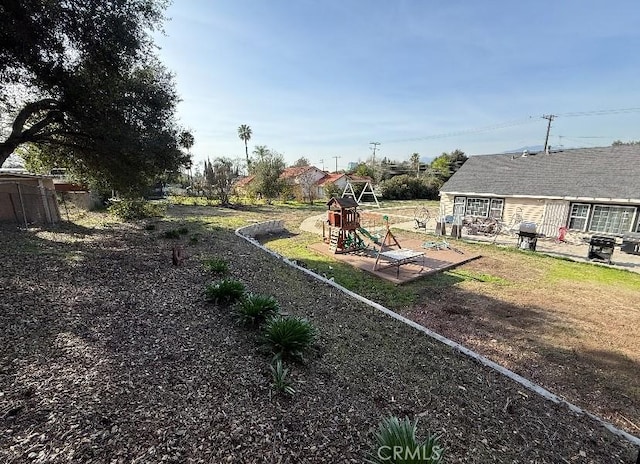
x: 27, y: 199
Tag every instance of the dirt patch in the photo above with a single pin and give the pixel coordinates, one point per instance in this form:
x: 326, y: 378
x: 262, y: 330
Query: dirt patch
x: 569, y: 337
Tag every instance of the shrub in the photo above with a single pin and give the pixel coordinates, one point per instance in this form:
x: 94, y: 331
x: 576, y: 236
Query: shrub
x: 217, y: 265
x: 150, y: 227
x: 173, y: 234
x: 331, y: 190
x: 225, y: 291
x: 183, y: 231
x: 288, y: 335
x: 279, y: 376
x: 396, y: 442
x: 406, y: 187
x: 131, y: 209
x: 254, y: 309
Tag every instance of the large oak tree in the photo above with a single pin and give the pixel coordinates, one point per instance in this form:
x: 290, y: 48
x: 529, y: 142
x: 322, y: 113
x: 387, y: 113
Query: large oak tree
x: 81, y: 87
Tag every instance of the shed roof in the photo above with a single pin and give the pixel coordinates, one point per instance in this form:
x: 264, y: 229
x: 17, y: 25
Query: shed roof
x: 605, y: 173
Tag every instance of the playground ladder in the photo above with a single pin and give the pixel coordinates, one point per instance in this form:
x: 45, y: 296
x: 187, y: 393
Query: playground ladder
x: 335, y: 237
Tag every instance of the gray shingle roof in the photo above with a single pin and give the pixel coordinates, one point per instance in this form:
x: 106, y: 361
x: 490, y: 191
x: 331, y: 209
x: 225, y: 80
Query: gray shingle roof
x: 609, y: 172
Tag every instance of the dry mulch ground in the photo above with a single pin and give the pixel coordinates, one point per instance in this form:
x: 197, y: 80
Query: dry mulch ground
x: 110, y: 354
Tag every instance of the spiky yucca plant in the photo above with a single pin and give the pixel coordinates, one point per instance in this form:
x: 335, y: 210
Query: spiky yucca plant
x: 396, y: 443
x: 288, y: 335
x: 254, y: 309
x: 225, y: 291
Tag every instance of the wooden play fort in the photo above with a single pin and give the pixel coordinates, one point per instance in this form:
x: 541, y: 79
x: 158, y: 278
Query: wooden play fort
x: 344, y: 223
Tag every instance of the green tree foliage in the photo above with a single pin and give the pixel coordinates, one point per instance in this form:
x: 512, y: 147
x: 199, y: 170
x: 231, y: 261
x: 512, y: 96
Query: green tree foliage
x: 220, y: 176
x: 408, y: 187
x: 331, y: 190
x: 267, y: 167
x: 445, y: 165
x: 301, y: 162
x: 81, y: 88
x: 415, y: 163
x: 245, y: 133
x: 620, y: 142
x: 364, y: 170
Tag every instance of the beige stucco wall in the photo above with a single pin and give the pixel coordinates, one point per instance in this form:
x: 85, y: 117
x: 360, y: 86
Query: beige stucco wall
x: 549, y: 215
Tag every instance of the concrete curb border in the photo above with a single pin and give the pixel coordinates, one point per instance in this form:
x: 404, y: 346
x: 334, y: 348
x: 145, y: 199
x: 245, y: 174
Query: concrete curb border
x: 249, y: 232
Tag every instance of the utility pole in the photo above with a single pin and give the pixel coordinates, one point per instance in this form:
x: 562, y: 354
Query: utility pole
x: 322, y: 162
x: 336, y: 158
x: 549, y: 117
x: 374, y: 148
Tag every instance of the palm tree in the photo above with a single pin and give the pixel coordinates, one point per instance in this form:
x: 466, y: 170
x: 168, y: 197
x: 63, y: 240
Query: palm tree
x: 244, y: 132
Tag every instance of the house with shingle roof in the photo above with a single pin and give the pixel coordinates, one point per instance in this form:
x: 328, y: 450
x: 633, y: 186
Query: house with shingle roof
x: 590, y: 190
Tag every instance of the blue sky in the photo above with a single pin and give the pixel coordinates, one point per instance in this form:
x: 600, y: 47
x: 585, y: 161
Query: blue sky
x: 323, y: 78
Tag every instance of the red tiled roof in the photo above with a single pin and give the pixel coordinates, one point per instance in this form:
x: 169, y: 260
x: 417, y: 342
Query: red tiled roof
x: 294, y: 171
x: 329, y: 178
x: 245, y: 181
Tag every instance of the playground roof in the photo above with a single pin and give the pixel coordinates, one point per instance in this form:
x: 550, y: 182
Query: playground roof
x: 344, y: 202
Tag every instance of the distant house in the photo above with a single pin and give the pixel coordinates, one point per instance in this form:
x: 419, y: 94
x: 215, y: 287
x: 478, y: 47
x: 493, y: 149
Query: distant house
x: 27, y: 199
x: 307, y: 181
x: 241, y: 186
x: 590, y: 190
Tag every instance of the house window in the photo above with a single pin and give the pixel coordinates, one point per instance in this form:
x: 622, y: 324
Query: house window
x: 578, y: 216
x: 459, y: 206
x: 611, y: 219
x: 478, y: 207
x: 497, y: 206
x: 604, y: 219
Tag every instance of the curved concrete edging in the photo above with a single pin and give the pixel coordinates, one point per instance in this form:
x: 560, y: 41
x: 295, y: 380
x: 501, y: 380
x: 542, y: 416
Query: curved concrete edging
x: 246, y: 233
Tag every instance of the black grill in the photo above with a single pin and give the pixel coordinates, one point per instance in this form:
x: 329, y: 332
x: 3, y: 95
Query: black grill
x: 601, y: 248
x: 527, y: 240
x: 631, y: 243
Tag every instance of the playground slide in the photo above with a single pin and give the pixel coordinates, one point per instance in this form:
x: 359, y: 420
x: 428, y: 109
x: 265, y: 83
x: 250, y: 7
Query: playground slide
x: 374, y: 238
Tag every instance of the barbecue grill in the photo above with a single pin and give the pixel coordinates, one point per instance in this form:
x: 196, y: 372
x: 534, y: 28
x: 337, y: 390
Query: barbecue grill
x: 631, y: 243
x: 527, y: 236
x: 601, y: 248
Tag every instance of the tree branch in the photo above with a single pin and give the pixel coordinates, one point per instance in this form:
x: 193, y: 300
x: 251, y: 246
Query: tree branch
x: 19, y: 134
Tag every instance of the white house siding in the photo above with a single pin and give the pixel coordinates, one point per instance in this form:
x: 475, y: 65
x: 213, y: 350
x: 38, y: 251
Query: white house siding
x: 529, y: 209
x: 446, y: 204
x: 555, y: 216
x: 515, y: 209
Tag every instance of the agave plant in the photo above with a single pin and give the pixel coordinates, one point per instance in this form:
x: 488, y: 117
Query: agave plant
x: 279, y: 374
x: 216, y: 265
x: 225, y: 291
x: 255, y: 308
x: 396, y: 443
x: 288, y: 335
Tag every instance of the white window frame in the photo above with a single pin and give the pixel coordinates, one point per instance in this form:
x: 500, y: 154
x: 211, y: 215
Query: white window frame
x: 493, y: 208
x: 586, y: 218
x: 592, y: 212
x: 608, y: 224
x: 461, y: 206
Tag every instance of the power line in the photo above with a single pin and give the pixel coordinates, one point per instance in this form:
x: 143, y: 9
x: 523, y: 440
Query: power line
x: 513, y: 123
x: 599, y: 112
x: 478, y: 130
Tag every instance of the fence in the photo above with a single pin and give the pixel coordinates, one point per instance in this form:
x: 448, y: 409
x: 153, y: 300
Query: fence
x: 26, y: 204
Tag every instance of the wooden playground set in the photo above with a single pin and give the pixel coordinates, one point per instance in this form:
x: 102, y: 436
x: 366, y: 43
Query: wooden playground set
x: 348, y: 240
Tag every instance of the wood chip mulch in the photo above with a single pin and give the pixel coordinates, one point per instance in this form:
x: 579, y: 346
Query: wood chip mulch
x: 110, y: 354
